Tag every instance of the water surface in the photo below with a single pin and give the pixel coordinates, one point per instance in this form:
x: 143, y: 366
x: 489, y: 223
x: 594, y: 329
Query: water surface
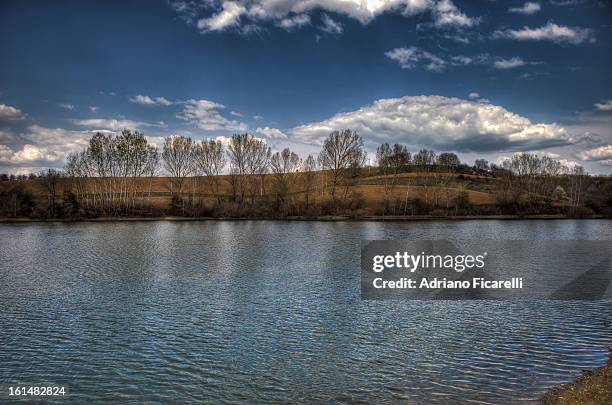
x: 270, y: 312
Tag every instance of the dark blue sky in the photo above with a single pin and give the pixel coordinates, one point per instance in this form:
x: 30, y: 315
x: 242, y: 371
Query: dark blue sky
x: 284, y: 72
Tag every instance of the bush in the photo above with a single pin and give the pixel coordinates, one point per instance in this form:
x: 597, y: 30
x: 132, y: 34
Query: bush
x: 15, y: 201
x: 462, y: 200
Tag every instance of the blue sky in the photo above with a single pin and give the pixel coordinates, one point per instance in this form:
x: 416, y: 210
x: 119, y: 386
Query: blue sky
x: 481, y: 78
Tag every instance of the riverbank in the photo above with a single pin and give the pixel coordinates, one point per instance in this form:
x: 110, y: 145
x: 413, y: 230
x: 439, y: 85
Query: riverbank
x: 593, y: 387
x: 376, y: 218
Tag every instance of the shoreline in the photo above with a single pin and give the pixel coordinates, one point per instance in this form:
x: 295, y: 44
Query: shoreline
x: 590, y: 387
x: 336, y: 218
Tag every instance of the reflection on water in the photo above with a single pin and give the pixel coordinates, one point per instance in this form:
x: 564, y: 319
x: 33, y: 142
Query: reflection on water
x: 265, y: 312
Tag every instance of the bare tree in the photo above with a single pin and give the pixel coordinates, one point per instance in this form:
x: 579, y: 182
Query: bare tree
x: 391, y: 160
x: 448, y: 159
x: 481, y: 165
x: 309, y: 177
x: 284, y: 165
x: 51, y: 179
x: 576, y: 177
x: 210, y: 159
x: 238, y: 151
x: 178, y: 159
x: 249, y: 158
x: 425, y: 158
x: 342, y: 150
x: 151, y: 168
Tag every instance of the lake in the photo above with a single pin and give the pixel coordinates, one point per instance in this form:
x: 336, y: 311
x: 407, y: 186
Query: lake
x: 270, y: 312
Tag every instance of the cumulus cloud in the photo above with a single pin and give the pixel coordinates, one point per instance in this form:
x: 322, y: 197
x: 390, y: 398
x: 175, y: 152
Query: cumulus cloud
x: 474, y: 95
x: 441, y: 123
x: 46, y: 146
x: 31, y: 153
x: 93, y: 108
x: 527, y: 8
x: 607, y: 106
x: 113, y: 124
x: 597, y: 154
x: 205, y: 115
x: 146, y: 100
x: 218, y: 15
x: 549, y: 32
x: 509, y: 63
x: 271, y: 133
x: 10, y: 113
x: 5, y: 153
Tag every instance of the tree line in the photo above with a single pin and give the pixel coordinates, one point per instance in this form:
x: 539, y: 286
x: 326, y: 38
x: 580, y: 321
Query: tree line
x: 120, y: 175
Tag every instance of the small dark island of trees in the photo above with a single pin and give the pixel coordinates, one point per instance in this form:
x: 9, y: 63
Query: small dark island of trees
x: 124, y: 176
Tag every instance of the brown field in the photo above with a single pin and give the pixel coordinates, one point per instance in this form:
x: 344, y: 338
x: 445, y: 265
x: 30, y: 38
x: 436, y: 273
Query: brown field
x: 442, y: 188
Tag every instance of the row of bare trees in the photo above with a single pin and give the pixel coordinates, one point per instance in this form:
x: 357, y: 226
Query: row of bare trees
x: 114, y: 173
x: 106, y: 173
x: 541, y: 176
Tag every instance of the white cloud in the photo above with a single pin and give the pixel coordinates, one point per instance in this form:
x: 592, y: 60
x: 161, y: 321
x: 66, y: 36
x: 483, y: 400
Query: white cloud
x: 569, y: 163
x: 448, y: 15
x: 10, y: 113
x: 330, y: 26
x: 93, y: 108
x: 527, y: 8
x: 5, y: 153
x: 439, y: 122
x: 596, y: 154
x: 49, y: 146
x: 509, y: 63
x: 474, y: 95
x: 257, y: 117
x: 462, y: 60
x: 566, y: 2
x: 6, y: 137
x: 408, y: 58
x: 67, y: 106
x: 113, y: 124
x: 295, y: 13
x: 271, y: 133
x: 204, y: 114
x: 411, y: 57
x: 295, y: 21
x: 228, y: 16
x: 549, y: 32
x: 607, y: 106
x: 146, y: 100
x: 235, y: 114
x: 31, y: 153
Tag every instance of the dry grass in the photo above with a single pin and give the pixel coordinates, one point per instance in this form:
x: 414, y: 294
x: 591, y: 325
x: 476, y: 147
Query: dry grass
x: 375, y: 194
x: 156, y: 192
x: 591, y: 388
